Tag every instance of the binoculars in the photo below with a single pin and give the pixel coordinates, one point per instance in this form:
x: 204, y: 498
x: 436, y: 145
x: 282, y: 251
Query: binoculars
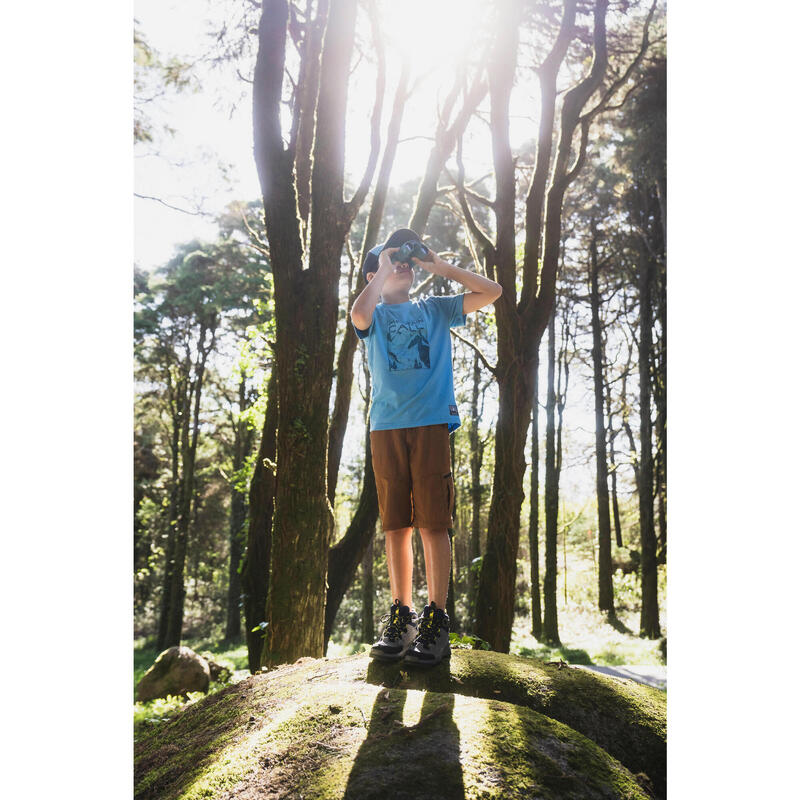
x: 408, y: 251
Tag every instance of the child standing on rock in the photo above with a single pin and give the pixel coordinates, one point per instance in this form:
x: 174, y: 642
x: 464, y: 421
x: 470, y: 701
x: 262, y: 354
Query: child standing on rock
x: 412, y: 414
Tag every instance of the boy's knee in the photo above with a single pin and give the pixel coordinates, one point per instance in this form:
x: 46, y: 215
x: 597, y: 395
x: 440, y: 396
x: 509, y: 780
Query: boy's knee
x: 433, y: 531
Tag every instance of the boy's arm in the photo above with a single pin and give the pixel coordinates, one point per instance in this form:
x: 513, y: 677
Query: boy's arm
x: 483, y: 291
x: 364, y: 305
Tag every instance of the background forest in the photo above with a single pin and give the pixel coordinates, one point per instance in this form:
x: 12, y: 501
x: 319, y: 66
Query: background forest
x: 577, y: 209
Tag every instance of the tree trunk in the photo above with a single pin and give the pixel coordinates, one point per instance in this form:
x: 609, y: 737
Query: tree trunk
x: 612, y: 435
x: 475, y: 459
x: 533, y: 525
x: 180, y: 418
x: 605, y: 589
x: 242, y: 443
x: 450, y: 603
x: 257, y: 559
x: 368, y: 592
x: 306, y: 314
x: 648, y: 624
x: 520, y: 326
x: 660, y: 400
x: 345, y: 556
x: 189, y: 453
x: 550, y: 628
x: 498, y: 576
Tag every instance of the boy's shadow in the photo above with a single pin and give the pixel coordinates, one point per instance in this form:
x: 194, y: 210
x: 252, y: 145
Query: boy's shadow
x: 418, y: 759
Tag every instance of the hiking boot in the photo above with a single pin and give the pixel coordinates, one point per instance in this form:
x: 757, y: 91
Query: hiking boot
x: 399, y: 634
x: 433, y: 642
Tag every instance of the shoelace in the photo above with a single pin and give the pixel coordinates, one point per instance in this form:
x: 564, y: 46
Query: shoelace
x: 429, y: 628
x: 396, y: 627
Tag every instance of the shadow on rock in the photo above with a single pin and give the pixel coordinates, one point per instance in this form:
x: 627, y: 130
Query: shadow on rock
x: 398, y: 760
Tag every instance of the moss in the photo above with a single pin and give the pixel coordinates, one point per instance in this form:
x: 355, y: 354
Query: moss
x: 329, y: 729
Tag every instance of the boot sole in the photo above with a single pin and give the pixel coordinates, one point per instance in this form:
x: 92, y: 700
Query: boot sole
x: 415, y: 662
x: 387, y: 656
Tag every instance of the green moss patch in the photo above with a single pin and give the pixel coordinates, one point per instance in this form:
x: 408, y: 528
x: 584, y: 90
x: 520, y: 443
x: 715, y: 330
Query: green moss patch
x: 483, y: 727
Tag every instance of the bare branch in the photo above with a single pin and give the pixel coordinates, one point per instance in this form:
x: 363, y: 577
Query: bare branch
x: 198, y: 213
x: 485, y: 242
x: 352, y: 205
x: 481, y: 356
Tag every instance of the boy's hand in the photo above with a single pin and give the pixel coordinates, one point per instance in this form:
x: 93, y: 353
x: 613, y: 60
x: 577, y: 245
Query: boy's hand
x: 432, y: 264
x: 384, y: 258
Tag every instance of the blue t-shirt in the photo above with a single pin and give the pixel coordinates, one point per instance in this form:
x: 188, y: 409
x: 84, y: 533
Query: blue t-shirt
x: 411, y: 364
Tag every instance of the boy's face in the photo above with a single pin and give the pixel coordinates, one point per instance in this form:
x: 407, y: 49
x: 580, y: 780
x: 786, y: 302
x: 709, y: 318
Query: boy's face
x: 401, y: 277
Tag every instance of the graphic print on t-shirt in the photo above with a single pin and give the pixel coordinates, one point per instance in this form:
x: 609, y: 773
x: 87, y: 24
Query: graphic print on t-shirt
x: 407, y: 344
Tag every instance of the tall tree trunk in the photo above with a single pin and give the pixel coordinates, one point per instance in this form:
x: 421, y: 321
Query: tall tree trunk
x: 450, y: 603
x: 368, y: 592
x: 605, y: 589
x: 533, y: 525
x: 550, y: 628
x: 257, y: 559
x: 345, y: 556
x: 180, y: 418
x: 612, y: 435
x: 368, y: 561
x: 306, y: 313
x: 660, y: 401
x: 498, y: 576
x: 648, y: 624
x: 475, y: 459
x: 242, y: 443
x: 520, y: 326
x: 189, y: 447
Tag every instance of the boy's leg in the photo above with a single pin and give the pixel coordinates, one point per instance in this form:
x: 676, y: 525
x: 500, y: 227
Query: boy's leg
x: 436, y: 546
x: 400, y: 558
x: 433, y: 489
x: 393, y: 485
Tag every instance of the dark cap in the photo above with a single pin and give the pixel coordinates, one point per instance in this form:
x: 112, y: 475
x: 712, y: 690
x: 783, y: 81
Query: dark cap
x: 397, y: 239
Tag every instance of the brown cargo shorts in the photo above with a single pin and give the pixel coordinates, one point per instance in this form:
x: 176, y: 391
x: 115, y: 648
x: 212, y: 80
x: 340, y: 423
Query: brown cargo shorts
x: 413, y: 477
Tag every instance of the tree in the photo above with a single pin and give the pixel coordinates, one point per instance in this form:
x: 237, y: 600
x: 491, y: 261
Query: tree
x: 179, y: 316
x: 306, y: 302
x: 521, y: 324
x: 645, y: 201
x: 605, y: 591
x: 533, y: 524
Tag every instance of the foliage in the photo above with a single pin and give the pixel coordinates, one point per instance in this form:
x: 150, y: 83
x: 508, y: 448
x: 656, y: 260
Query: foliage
x: 199, y: 322
x: 153, y: 77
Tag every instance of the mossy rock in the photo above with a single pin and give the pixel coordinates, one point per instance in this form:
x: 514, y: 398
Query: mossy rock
x: 487, y: 725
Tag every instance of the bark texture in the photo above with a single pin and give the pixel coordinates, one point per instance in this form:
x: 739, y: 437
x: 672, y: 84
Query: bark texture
x: 261, y: 503
x: 605, y: 589
x: 306, y: 313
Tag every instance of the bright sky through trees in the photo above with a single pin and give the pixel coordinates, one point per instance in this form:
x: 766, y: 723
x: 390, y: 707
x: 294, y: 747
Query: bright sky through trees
x: 210, y: 133
x: 208, y: 161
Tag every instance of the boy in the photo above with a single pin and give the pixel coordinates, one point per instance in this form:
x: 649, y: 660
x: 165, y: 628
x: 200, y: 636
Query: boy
x: 412, y: 414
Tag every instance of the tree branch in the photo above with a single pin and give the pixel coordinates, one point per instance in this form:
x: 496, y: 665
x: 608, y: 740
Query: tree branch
x: 481, y: 356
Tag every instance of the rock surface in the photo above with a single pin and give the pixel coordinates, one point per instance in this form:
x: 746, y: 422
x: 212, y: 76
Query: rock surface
x: 486, y: 725
x: 176, y: 671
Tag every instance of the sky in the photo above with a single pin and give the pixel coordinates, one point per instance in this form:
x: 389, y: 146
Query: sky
x: 209, y: 133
